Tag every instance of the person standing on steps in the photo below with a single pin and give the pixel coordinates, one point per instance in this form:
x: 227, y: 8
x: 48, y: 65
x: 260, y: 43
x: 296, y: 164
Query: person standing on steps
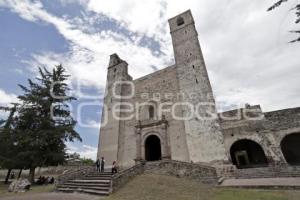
x: 114, y: 168
x: 102, y: 164
x: 98, y: 165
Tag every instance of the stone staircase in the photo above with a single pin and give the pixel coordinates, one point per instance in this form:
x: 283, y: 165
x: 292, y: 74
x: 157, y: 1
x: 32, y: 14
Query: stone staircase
x: 92, y: 183
x: 87, y: 180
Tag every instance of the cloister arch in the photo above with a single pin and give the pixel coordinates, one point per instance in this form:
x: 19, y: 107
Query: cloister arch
x: 290, y: 147
x: 246, y: 153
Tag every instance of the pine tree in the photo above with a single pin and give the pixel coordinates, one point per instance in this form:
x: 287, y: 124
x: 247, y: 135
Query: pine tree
x: 44, y: 120
x: 296, y: 9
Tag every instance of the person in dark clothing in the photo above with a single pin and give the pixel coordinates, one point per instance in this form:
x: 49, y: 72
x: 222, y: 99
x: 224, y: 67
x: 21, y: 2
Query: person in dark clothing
x: 114, y: 168
x: 98, y: 165
x: 39, y: 181
x: 102, y: 164
x: 47, y: 179
x: 51, y: 180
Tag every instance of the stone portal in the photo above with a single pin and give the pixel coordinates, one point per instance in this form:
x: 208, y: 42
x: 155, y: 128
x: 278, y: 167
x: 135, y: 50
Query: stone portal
x: 152, y: 148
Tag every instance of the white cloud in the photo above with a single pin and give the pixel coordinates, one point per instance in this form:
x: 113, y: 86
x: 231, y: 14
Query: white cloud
x: 6, y: 99
x: 93, y: 124
x: 85, y: 151
x: 143, y: 16
x: 89, y: 53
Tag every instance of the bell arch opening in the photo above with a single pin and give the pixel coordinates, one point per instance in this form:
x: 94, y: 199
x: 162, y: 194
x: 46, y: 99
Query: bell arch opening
x: 247, y: 154
x: 180, y: 21
x: 290, y: 148
x: 152, y: 148
x: 151, y: 112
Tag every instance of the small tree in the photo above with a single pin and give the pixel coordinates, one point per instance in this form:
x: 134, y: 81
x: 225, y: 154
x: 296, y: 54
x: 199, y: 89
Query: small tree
x: 44, y: 120
x: 297, y: 12
x: 9, y: 157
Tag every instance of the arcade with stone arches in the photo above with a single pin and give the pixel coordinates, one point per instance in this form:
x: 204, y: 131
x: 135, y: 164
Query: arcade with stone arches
x: 249, y: 153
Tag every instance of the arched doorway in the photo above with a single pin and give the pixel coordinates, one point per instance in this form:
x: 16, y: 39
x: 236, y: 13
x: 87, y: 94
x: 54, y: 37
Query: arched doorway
x: 152, y: 148
x: 290, y: 147
x: 247, y: 153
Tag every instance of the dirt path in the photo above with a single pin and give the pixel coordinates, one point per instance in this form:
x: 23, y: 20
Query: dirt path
x: 52, y: 196
x: 271, y: 182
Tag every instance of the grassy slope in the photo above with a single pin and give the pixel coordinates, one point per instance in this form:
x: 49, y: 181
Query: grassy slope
x: 156, y: 187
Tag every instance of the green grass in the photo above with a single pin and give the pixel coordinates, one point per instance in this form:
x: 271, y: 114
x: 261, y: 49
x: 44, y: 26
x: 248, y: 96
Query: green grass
x: 150, y: 187
x: 157, y: 187
x: 34, y: 189
x: 250, y: 194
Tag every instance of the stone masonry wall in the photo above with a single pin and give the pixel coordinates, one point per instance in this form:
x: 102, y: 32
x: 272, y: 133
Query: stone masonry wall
x: 203, y: 173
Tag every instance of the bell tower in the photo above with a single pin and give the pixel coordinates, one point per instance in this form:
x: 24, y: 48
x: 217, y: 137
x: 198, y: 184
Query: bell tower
x: 111, y: 126
x: 203, y: 136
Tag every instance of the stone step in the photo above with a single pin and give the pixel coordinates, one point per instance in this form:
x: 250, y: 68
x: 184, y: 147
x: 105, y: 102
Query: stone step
x: 88, y: 181
x: 99, y: 174
x: 93, y: 183
x: 89, y: 176
x: 103, y: 173
x: 88, y: 184
x: 96, y: 178
x: 94, y: 192
x: 84, y: 187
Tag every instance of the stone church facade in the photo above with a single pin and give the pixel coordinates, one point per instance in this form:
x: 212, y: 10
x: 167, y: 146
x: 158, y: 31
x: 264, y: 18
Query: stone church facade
x: 171, y: 114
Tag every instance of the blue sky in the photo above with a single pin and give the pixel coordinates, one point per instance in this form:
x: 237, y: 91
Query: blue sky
x: 246, y: 49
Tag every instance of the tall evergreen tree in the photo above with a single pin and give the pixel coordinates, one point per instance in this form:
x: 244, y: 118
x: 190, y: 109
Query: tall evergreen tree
x: 295, y: 8
x: 44, y: 120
